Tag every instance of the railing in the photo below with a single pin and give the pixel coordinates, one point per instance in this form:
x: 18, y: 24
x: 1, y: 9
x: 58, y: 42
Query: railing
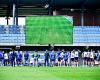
x: 14, y: 35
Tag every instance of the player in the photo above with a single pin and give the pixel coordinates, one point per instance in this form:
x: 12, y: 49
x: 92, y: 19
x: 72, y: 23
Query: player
x: 76, y: 57
x: 13, y: 57
x: 92, y: 58
x: 52, y: 58
x: 26, y: 58
x: 6, y: 59
x: 62, y: 55
x: 31, y: 59
x: 98, y: 57
x: 72, y: 57
x: 1, y: 58
x: 65, y: 56
x: 9, y: 56
x: 85, y: 58
x: 47, y: 56
x: 88, y: 58
x: 19, y: 58
x: 36, y: 56
x: 59, y: 57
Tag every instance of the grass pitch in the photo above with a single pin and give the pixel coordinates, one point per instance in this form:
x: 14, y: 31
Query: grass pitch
x: 49, y: 73
x: 49, y: 30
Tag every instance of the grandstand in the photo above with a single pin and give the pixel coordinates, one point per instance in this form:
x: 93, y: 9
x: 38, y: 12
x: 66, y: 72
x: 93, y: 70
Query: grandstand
x: 80, y: 27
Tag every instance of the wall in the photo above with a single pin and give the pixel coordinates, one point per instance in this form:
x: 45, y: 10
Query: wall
x: 91, y: 17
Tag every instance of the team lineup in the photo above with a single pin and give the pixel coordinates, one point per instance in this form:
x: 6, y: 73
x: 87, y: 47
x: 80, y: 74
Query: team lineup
x: 50, y: 58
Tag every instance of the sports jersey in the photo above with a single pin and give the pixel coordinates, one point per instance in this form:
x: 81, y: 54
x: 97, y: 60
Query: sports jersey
x: 65, y: 56
x: 62, y: 54
x: 53, y: 55
x: 5, y: 56
x: 72, y: 55
x: 26, y: 55
x: 84, y: 54
x: 1, y: 55
x: 88, y: 54
x: 91, y: 54
x: 19, y: 55
x: 59, y: 54
x: 76, y: 53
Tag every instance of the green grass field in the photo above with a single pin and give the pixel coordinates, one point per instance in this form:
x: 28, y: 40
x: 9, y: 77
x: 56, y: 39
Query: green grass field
x: 49, y: 73
x: 48, y: 30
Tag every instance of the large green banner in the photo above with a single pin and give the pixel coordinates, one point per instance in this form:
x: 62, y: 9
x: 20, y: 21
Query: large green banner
x: 49, y: 30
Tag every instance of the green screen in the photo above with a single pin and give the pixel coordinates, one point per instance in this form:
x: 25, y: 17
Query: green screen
x: 48, y: 30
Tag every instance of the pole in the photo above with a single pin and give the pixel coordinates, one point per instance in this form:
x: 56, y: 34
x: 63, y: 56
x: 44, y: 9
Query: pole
x: 14, y: 7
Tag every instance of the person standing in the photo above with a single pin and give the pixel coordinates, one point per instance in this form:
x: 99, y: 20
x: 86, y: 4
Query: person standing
x: 6, y: 59
x: 92, y: 58
x: 72, y: 58
x: 76, y: 57
x: 1, y: 58
x: 65, y: 58
x: 59, y: 57
x: 26, y: 58
x: 19, y: 58
x: 84, y: 54
x: 52, y: 58
x: 13, y: 57
x: 47, y: 56
x: 36, y: 56
x: 98, y: 57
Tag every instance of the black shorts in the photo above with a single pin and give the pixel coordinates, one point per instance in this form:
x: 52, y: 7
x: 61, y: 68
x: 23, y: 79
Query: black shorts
x: 5, y: 59
x: 91, y: 59
x: 35, y: 58
x: 72, y: 59
x: 88, y: 59
x: 0, y: 59
x: 76, y: 58
x: 85, y: 58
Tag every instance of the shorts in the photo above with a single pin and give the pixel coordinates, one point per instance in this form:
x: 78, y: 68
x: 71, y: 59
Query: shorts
x: 88, y: 59
x: 0, y: 59
x: 65, y: 59
x: 85, y: 58
x: 5, y: 59
x: 76, y: 58
x: 26, y: 59
x: 72, y: 59
x: 59, y: 59
x: 35, y: 58
x: 92, y: 59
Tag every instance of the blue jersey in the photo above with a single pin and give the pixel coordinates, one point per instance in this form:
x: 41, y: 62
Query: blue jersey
x: 53, y: 55
x: 65, y: 56
x: 19, y: 56
x: 26, y: 55
x: 13, y: 55
x: 1, y: 55
x: 98, y: 56
x: 59, y: 54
